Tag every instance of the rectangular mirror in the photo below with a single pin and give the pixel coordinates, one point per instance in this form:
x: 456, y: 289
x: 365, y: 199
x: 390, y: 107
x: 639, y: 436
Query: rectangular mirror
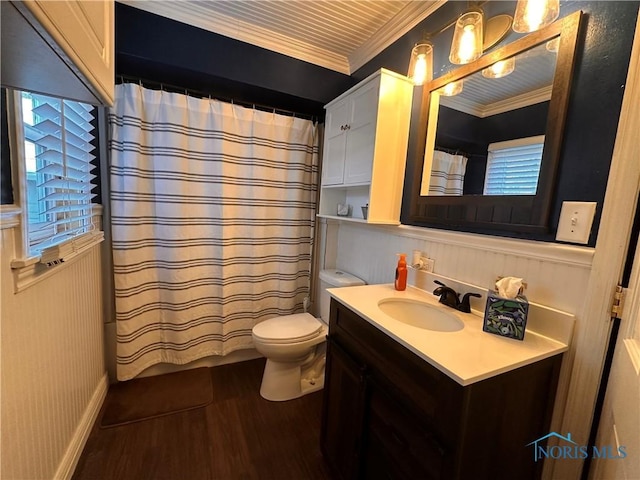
x: 489, y: 135
x: 488, y: 154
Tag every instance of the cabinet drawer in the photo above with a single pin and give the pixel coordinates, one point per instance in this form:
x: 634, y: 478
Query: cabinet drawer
x: 428, y: 392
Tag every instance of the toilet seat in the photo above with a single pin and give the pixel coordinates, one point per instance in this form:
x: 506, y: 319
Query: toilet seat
x: 288, y: 329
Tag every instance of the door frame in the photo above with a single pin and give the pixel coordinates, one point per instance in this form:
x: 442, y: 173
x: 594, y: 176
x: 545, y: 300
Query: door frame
x: 620, y: 406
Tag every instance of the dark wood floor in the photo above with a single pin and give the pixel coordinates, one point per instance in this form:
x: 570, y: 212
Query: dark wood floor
x: 238, y: 436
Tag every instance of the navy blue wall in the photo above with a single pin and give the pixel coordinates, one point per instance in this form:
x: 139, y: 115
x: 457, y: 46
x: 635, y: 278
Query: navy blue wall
x: 155, y: 48
x: 594, y: 107
x: 472, y: 135
x: 6, y: 189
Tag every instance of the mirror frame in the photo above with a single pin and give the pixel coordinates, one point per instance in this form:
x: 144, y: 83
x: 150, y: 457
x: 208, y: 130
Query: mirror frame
x: 512, y: 213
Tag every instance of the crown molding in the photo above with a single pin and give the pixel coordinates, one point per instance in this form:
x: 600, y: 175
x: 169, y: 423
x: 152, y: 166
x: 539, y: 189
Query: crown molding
x: 519, y: 101
x: 410, y: 16
x: 526, y: 99
x: 193, y: 14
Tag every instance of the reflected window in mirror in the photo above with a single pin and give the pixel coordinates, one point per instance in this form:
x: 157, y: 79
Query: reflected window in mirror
x: 513, y: 167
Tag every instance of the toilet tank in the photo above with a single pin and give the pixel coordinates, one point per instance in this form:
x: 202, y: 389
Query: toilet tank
x: 332, y: 279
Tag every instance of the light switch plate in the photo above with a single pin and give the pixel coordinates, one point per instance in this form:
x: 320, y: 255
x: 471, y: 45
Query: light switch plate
x: 575, y: 222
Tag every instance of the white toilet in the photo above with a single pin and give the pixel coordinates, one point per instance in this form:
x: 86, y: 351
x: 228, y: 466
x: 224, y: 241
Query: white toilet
x: 295, y: 347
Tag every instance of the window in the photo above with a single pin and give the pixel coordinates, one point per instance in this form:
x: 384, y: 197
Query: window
x: 58, y: 147
x: 513, y: 166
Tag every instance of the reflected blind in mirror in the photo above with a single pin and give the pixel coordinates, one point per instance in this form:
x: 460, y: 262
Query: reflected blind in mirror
x: 513, y: 166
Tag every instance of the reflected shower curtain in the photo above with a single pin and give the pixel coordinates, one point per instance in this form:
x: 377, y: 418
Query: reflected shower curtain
x: 447, y: 174
x: 213, y: 210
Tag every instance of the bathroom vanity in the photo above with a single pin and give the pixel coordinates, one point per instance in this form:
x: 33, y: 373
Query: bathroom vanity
x: 395, y: 409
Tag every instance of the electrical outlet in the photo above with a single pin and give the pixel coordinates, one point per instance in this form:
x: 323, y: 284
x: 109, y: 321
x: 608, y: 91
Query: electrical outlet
x: 575, y: 222
x: 428, y: 264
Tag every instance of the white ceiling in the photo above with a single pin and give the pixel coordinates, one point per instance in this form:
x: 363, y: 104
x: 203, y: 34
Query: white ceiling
x: 530, y: 83
x: 341, y: 35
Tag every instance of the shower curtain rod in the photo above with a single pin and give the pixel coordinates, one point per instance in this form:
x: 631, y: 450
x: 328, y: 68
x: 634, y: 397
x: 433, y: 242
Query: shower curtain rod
x: 456, y: 151
x: 154, y: 84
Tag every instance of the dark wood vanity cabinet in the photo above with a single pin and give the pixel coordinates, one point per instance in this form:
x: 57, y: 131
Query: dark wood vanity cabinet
x: 389, y: 414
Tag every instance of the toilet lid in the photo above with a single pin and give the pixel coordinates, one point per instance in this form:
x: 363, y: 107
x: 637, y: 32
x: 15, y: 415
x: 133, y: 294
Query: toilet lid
x: 288, y: 329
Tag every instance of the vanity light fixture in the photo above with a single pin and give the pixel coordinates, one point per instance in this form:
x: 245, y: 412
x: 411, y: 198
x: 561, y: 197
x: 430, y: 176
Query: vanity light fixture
x: 421, y: 63
x: 452, y: 88
x: 468, y: 37
x: 532, y: 15
x: 500, y: 69
x: 473, y: 35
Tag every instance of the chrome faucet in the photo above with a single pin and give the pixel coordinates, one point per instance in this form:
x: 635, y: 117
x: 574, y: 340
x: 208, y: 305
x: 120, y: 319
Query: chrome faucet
x: 449, y: 297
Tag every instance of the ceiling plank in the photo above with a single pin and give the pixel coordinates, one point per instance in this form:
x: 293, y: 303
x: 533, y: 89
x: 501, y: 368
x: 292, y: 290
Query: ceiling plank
x: 341, y: 35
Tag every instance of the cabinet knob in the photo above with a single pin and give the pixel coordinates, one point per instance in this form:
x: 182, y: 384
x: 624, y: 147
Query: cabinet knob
x: 347, y: 127
x: 341, y: 127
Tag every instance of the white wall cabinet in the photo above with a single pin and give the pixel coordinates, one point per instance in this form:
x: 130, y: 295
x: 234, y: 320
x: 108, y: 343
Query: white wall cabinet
x: 61, y: 48
x: 365, y: 148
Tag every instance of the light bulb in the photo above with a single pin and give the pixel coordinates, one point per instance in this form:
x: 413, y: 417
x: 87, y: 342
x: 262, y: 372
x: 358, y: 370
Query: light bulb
x: 500, y: 69
x: 467, y: 44
x: 421, y: 64
x: 420, y: 70
x: 531, y: 15
x: 467, y: 38
x: 452, y: 88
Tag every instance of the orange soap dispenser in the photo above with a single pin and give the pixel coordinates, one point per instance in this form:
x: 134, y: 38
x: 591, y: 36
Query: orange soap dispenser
x: 401, y: 272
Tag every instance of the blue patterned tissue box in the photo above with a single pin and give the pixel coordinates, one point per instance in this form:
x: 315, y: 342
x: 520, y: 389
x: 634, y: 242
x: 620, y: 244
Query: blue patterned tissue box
x: 506, y: 316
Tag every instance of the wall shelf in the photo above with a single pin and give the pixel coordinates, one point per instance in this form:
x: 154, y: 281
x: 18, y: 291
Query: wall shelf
x: 354, y: 220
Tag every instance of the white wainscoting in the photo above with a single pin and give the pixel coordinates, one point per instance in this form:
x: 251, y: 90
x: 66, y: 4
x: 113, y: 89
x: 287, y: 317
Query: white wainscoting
x: 557, y: 275
x: 52, y: 360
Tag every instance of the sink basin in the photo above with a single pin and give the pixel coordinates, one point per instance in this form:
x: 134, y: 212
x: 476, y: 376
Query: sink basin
x: 421, y: 314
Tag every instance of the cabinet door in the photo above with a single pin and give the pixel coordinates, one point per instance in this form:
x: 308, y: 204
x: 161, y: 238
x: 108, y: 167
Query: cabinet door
x: 361, y: 133
x: 398, y: 443
x: 334, y: 144
x: 343, y: 412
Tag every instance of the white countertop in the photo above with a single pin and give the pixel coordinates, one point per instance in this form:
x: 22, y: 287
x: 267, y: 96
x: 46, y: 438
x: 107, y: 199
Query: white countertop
x: 467, y: 355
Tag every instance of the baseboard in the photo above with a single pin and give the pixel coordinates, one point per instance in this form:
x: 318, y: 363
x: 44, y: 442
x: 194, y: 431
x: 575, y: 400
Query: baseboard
x: 70, y: 459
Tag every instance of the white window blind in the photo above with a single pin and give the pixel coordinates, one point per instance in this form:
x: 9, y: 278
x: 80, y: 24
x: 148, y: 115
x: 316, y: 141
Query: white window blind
x: 513, y: 166
x: 57, y: 135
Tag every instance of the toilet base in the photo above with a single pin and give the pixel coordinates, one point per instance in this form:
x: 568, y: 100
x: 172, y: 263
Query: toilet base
x: 285, y: 381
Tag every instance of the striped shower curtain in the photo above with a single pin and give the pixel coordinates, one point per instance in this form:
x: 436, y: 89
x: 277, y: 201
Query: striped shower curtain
x: 447, y: 174
x: 212, y: 221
